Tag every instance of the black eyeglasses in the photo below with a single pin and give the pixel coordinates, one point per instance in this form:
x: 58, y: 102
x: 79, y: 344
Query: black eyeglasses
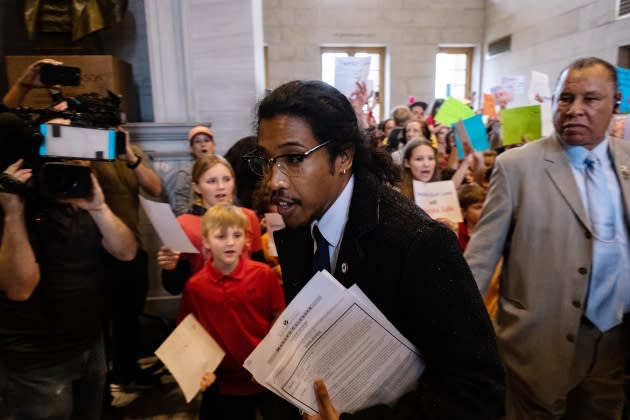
x: 289, y: 164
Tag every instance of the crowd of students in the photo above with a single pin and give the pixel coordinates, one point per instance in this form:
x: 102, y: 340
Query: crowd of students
x: 233, y: 285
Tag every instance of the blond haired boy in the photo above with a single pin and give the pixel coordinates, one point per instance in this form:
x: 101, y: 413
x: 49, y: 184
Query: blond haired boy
x: 236, y: 299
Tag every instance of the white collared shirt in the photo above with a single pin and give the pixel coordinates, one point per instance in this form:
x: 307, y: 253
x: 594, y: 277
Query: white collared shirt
x: 333, y: 222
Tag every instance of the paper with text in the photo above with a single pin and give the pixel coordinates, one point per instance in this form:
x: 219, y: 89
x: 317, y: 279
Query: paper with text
x: 165, y: 224
x: 189, y: 352
x: 336, y: 334
x: 349, y: 71
x: 438, y: 199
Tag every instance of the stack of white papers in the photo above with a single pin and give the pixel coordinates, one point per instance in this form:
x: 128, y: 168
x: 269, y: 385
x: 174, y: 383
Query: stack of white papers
x: 336, y: 334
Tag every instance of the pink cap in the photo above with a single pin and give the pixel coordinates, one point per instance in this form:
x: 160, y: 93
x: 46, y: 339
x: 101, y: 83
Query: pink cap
x: 199, y: 129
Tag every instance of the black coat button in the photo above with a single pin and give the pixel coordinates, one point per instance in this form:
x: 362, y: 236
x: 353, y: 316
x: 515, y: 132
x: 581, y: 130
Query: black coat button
x: 576, y: 303
x: 571, y: 338
x: 582, y: 270
x: 588, y: 235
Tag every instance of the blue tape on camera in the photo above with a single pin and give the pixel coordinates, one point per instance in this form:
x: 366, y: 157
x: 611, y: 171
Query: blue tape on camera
x: 43, y: 129
x: 112, y: 144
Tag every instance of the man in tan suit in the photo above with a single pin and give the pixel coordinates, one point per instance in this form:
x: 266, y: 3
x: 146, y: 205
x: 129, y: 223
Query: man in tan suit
x: 562, y: 228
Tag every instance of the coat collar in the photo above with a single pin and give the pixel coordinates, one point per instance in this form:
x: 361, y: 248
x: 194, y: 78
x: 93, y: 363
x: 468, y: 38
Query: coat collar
x: 558, y: 168
x: 621, y: 162
x: 295, y: 246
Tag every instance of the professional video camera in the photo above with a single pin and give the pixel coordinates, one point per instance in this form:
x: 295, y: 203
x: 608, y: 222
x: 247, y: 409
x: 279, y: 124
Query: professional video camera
x: 45, y: 138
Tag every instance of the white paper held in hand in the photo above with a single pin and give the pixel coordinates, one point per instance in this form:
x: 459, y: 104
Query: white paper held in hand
x: 330, y: 332
x: 167, y: 227
x: 188, y: 352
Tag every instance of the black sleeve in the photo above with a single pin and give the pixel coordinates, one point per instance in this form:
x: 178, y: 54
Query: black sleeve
x: 174, y: 281
x: 445, y: 318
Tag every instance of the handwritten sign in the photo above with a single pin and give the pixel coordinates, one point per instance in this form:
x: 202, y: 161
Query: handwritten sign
x: 514, y: 83
x: 452, y: 111
x: 623, y: 80
x: 438, y: 199
x: 349, y: 71
x: 524, y: 121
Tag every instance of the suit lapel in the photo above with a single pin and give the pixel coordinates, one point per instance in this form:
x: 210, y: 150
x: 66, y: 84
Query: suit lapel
x: 559, y: 170
x: 362, y: 218
x: 621, y: 162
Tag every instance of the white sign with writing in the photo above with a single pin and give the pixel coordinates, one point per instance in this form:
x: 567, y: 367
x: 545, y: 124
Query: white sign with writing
x: 349, y: 71
x: 438, y: 199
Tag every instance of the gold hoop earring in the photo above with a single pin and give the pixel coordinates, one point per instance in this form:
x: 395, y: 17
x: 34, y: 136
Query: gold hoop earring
x: 344, y: 172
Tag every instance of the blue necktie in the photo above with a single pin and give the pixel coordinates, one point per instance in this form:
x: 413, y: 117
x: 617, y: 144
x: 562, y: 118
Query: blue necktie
x: 321, y: 259
x: 601, y: 305
x: 598, y: 196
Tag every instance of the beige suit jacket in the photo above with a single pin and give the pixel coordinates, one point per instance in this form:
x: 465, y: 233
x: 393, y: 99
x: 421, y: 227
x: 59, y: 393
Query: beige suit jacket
x: 535, y: 218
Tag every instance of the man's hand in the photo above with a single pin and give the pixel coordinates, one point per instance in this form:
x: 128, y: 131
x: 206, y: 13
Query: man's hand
x: 326, y: 409
x: 31, y: 76
x: 13, y: 202
x: 167, y: 258
x: 95, y: 202
x: 129, y: 156
x: 17, y: 172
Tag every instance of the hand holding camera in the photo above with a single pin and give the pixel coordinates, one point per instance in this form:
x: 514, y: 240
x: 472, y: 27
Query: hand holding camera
x: 13, y: 187
x: 93, y: 202
x: 31, y: 78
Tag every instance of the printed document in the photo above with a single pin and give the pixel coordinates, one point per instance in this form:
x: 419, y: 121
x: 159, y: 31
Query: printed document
x: 336, y: 334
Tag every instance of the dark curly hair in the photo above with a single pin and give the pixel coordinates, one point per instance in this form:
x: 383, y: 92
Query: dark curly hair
x: 331, y: 118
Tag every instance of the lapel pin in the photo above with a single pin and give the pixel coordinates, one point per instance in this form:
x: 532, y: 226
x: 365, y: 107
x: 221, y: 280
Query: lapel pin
x: 624, y: 171
x: 344, y: 267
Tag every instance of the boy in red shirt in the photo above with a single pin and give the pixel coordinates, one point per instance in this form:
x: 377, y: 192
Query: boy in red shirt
x: 236, y: 300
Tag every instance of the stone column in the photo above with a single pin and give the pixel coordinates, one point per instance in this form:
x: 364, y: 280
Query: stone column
x: 206, y: 64
x: 206, y: 59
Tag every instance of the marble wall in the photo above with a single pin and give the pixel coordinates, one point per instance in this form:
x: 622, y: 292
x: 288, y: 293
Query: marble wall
x: 548, y: 35
x: 411, y: 31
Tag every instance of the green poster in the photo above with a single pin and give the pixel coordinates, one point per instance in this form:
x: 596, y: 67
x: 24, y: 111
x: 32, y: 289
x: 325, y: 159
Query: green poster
x: 452, y: 111
x: 516, y: 123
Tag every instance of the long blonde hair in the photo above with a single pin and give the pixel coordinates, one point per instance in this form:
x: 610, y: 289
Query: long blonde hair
x: 204, y: 164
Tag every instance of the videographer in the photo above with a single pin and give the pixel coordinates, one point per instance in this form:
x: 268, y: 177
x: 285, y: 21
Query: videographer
x: 51, y: 306
x: 121, y: 180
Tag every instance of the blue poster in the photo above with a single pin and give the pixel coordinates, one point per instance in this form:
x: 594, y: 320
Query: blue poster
x: 476, y: 132
x: 623, y: 79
